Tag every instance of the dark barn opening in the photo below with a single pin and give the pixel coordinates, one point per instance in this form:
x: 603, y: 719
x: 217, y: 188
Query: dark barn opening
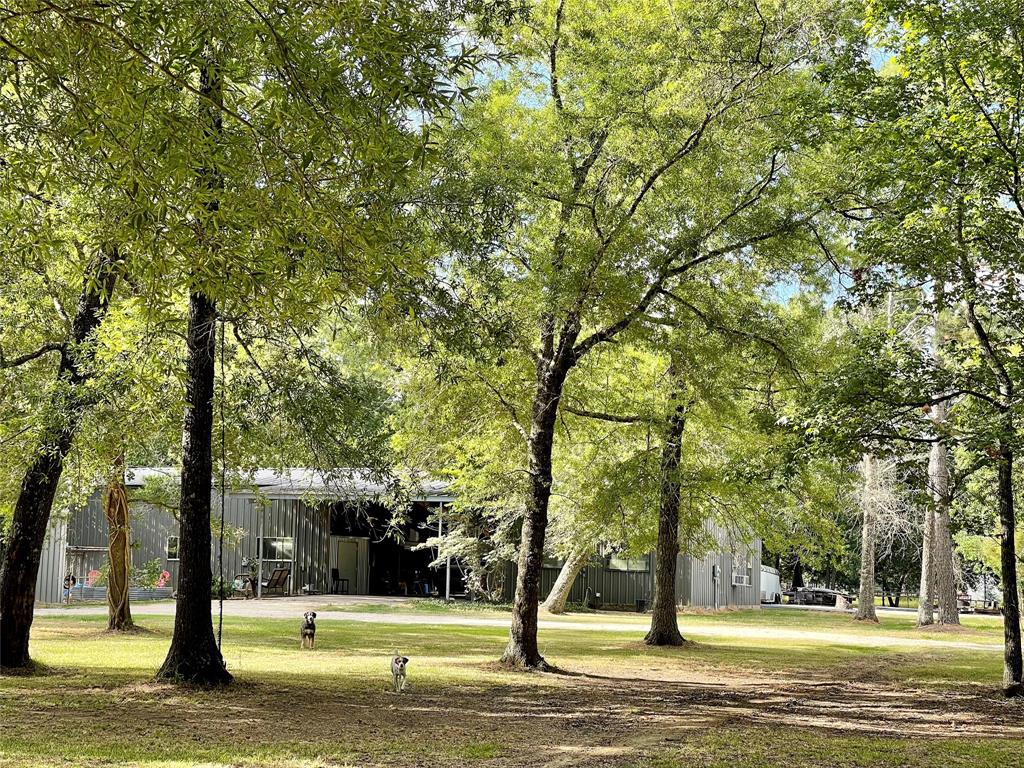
x: 394, y: 563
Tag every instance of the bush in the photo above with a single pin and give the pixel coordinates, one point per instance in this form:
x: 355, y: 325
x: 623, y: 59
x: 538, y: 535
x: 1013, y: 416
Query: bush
x: 149, y: 575
x: 220, y: 586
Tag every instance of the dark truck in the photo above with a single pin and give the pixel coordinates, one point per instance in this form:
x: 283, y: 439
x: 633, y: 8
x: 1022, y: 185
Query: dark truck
x: 816, y: 596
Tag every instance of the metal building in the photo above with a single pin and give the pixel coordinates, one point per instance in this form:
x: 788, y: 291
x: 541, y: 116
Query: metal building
x: 727, y: 577
x: 329, y: 534
x: 334, y: 535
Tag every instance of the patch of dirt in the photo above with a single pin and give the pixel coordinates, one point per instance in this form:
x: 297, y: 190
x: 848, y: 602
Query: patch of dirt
x: 944, y: 629
x: 585, y: 718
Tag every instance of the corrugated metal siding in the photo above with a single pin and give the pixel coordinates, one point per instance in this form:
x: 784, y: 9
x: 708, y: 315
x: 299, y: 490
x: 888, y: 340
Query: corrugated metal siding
x: 616, y: 587
x: 283, y: 517
x: 312, y: 546
x: 694, y: 582
x: 701, y: 591
x: 309, y: 526
x: 50, y: 581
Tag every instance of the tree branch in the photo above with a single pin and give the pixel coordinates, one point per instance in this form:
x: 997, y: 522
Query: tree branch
x: 601, y: 416
x: 51, y: 346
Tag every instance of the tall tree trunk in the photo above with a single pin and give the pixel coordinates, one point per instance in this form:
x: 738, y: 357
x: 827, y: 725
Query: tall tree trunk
x: 193, y: 656
x: 664, y: 624
x: 39, y: 486
x: 522, y: 649
x: 798, y: 574
x: 925, y: 606
x: 869, y: 531
x: 119, y: 553
x: 942, y: 564
x: 559, y: 595
x: 1013, y: 666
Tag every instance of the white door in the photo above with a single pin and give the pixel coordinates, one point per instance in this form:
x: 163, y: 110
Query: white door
x: 348, y: 564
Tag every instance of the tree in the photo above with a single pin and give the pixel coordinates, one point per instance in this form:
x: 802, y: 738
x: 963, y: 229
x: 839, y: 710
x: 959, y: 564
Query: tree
x: 256, y: 163
x: 115, y: 507
x: 957, y: 218
x: 604, y: 159
x: 67, y: 402
x: 869, y: 502
x: 559, y: 595
x: 664, y: 626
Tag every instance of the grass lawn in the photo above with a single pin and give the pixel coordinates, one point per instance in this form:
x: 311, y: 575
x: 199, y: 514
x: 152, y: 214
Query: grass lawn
x: 756, y: 688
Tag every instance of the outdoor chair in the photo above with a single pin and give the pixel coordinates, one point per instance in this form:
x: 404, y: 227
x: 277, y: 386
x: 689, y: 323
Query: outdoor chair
x: 245, y: 585
x: 339, y: 586
x: 278, y: 580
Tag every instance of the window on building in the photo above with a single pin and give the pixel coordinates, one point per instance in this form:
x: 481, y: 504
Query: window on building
x: 617, y: 562
x: 277, y: 548
x: 172, y: 547
x: 742, y: 569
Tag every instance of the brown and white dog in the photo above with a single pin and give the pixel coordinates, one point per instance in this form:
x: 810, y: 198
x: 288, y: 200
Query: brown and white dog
x: 398, y: 672
x: 308, y: 630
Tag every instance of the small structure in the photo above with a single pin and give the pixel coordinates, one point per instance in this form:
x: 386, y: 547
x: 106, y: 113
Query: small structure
x: 726, y: 577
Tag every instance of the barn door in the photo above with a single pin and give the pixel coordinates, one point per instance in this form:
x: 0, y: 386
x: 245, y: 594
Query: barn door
x: 348, y: 563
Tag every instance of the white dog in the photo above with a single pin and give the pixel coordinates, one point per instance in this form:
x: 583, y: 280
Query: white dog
x: 398, y: 672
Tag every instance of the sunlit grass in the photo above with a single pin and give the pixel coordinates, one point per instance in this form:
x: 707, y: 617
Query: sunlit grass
x: 94, y: 701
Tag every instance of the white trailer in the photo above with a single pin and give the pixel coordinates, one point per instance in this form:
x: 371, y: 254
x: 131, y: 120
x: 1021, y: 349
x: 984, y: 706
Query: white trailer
x: 771, y: 585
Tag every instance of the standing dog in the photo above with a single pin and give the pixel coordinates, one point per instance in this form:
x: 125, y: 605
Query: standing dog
x: 308, y: 630
x: 398, y: 672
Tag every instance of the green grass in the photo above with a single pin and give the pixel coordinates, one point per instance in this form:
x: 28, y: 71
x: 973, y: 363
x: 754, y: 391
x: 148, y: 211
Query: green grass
x: 905, y: 602
x: 748, y: 693
x: 424, y: 605
x: 747, y: 747
x: 978, y: 627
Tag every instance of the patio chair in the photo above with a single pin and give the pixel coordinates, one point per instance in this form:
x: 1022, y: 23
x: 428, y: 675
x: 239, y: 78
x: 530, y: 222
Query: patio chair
x: 339, y: 586
x: 244, y: 584
x: 278, y: 580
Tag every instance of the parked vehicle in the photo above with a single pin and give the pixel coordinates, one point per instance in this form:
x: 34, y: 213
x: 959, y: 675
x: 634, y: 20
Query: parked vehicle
x: 816, y: 596
x: 771, y: 585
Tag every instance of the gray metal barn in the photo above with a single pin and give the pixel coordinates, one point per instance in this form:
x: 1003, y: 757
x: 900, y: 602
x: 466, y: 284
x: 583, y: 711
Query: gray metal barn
x: 316, y: 527
x: 728, y: 577
x: 330, y: 536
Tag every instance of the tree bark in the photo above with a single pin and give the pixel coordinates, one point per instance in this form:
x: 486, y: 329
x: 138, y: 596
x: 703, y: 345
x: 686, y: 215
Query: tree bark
x: 67, y: 405
x: 559, y: 595
x: 942, y: 565
x: 193, y: 656
x: 866, y: 596
x: 926, y: 600
x: 119, y: 553
x: 522, y: 649
x: 1013, y: 666
x: 664, y: 624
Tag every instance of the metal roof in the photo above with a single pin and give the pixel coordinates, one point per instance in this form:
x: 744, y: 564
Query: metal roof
x: 300, y: 481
